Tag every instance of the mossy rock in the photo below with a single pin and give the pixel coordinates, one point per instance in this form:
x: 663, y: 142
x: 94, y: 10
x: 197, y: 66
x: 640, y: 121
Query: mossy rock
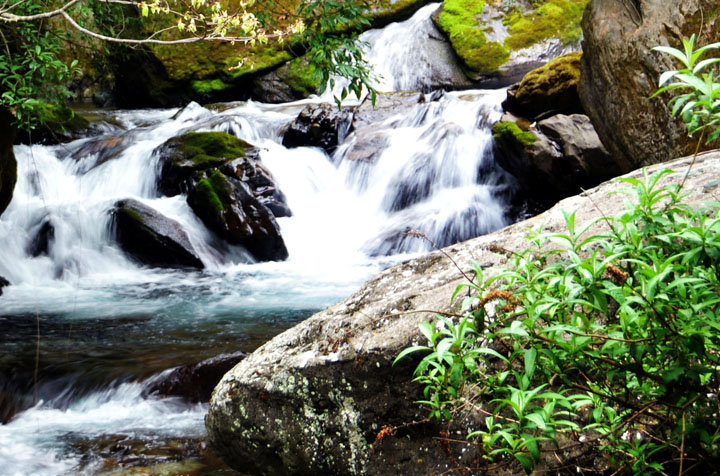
x: 184, y: 155
x: 552, y: 88
x: 509, y: 134
x: 303, y: 77
x: 484, y: 33
x: 58, y: 123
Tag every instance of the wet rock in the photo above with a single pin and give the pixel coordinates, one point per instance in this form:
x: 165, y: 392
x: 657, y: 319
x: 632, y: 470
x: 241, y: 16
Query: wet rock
x: 319, y: 125
x: 296, y: 79
x: 228, y: 207
x: 8, y: 164
x: 314, y: 399
x: 559, y: 157
x: 620, y: 72
x: 261, y: 182
x: 97, y: 151
x: 550, y: 89
x: 42, y: 242
x: 195, y: 382
x: 151, y: 238
x: 3, y: 283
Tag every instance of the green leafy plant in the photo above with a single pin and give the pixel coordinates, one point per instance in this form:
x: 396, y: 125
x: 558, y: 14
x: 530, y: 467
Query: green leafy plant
x: 699, y: 106
x: 610, y: 336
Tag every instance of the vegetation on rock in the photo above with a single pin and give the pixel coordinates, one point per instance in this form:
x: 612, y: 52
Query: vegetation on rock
x: 551, y: 87
x: 509, y: 133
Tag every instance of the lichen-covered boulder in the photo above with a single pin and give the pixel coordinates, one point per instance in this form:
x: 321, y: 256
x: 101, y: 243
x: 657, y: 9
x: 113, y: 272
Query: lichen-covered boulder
x: 549, y: 89
x: 620, y: 72
x: 151, y: 238
x: 8, y: 164
x: 558, y: 157
x: 501, y: 41
x: 315, y: 399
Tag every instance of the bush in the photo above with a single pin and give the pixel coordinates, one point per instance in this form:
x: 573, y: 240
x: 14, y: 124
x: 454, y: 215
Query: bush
x: 613, y: 336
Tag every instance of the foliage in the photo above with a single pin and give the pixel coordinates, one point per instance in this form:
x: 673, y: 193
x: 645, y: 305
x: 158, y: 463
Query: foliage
x: 700, y: 106
x: 615, y: 335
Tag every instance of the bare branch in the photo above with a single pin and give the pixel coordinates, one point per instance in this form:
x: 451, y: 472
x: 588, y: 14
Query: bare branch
x: 12, y: 18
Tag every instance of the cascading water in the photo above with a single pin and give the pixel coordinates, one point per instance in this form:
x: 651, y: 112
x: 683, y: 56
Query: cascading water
x: 104, y: 324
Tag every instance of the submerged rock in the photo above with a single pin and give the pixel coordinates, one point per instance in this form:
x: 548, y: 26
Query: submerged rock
x: 3, y: 283
x: 195, y: 382
x: 316, y: 398
x: 620, y: 72
x: 43, y: 240
x: 151, y: 238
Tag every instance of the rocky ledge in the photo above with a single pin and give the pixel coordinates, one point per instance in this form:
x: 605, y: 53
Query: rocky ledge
x: 314, y: 399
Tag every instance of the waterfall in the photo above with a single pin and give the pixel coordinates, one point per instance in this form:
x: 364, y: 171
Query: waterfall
x: 417, y: 178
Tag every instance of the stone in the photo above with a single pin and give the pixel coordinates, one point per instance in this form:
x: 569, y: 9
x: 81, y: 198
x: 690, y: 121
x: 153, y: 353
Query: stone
x: 620, y: 72
x: 57, y: 124
x: 549, y: 89
x: 3, y: 283
x: 151, y: 238
x: 315, y: 399
x: 498, y: 43
x: 228, y: 207
x: 319, y: 125
x: 8, y: 164
x: 43, y: 239
x: 195, y: 382
x: 559, y: 157
x: 103, y: 149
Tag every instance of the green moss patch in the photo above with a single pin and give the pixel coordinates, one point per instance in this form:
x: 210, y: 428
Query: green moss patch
x: 458, y: 20
x: 61, y: 118
x: 552, y: 86
x: 509, y: 133
x: 206, y: 86
x: 211, y: 149
x: 553, y: 19
x: 213, y: 190
x: 303, y: 77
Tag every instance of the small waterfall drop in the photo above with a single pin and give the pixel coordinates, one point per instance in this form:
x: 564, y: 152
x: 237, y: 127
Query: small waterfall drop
x: 418, y: 177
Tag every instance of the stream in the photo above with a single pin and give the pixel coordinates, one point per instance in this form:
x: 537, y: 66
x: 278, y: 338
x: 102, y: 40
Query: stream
x: 84, y: 329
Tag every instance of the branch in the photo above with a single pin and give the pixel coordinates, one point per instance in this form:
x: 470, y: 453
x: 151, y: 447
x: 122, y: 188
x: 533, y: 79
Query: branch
x: 12, y: 18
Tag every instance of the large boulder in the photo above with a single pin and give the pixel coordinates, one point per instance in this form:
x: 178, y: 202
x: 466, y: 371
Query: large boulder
x: 557, y: 157
x: 549, y: 89
x: 620, y: 72
x: 498, y: 43
x: 316, y: 398
x: 8, y: 164
x: 319, y: 125
x: 151, y: 238
x: 195, y: 382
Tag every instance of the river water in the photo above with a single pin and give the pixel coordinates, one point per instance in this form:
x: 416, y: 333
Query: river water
x: 83, y: 329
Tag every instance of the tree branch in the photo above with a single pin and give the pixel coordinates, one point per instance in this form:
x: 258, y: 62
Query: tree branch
x: 12, y: 18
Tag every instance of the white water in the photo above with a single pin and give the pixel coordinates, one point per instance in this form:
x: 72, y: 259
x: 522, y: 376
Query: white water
x: 344, y: 211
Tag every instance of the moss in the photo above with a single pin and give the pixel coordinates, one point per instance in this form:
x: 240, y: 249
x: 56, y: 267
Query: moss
x: 458, y: 19
x: 211, y: 149
x: 509, y: 132
x: 213, y: 191
x: 551, y: 81
x: 386, y: 11
x: 61, y: 118
x: 205, y: 86
x: 303, y: 77
x: 553, y: 19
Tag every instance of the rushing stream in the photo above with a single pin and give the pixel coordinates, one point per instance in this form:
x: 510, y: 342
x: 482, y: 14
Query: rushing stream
x: 83, y: 329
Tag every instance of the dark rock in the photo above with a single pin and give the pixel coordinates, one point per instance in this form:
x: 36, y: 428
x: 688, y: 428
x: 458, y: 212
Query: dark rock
x: 58, y: 124
x: 228, y: 207
x: 195, y: 382
x: 8, y: 164
x: 620, y: 72
x: 3, y: 283
x: 152, y: 238
x: 43, y: 240
x: 315, y: 398
x: 102, y: 149
x: 550, y: 89
x: 319, y: 125
x: 558, y: 158
x: 261, y: 182
x: 296, y: 79
x: 183, y: 156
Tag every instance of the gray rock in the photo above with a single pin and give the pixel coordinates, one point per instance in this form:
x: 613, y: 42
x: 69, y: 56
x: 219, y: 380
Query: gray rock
x: 620, y: 73
x: 319, y: 125
x: 151, y: 238
x: 314, y: 398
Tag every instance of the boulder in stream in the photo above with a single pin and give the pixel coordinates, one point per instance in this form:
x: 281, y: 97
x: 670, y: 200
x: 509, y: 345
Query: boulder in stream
x: 3, y: 283
x: 195, y: 382
x: 316, y: 399
x: 152, y: 238
x: 620, y: 72
x: 319, y: 125
x: 8, y: 164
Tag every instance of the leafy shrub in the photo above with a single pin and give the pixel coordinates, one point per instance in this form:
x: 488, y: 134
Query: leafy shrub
x: 609, y: 338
